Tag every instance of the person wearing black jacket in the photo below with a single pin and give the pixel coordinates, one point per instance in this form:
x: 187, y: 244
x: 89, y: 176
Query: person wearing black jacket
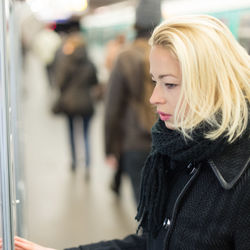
x: 127, y: 137
x: 196, y: 180
x: 76, y: 77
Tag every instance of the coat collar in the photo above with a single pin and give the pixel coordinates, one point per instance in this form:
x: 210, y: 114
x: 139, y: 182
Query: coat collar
x: 231, y: 164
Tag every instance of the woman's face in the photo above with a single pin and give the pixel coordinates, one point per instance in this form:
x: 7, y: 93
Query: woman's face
x: 166, y: 74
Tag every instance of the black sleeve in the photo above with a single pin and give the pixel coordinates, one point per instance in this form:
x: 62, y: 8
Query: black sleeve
x: 131, y: 242
x: 62, y: 72
x: 242, y: 223
x: 115, y: 107
x: 93, y: 77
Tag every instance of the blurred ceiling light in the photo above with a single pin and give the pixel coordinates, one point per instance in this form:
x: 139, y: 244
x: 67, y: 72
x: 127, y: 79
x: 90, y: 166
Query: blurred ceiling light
x: 78, y: 5
x: 114, y: 14
x: 57, y: 9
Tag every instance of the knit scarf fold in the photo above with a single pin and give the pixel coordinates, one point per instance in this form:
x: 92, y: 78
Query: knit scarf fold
x: 168, y: 147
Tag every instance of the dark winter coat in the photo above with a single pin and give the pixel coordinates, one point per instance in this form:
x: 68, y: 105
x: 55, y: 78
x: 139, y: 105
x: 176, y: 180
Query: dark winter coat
x: 124, y: 131
x: 210, y: 212
x: 75, y: 77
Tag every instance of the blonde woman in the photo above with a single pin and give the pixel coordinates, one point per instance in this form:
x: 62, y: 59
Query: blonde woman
x: 195, y: 191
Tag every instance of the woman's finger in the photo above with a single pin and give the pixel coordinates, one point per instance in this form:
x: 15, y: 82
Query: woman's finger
x: 17, y: 238
x: 24, y: 245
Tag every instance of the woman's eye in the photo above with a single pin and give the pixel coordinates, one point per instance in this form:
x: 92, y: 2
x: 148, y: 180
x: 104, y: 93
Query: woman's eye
x: 170, y: 85
x: 154, y: 82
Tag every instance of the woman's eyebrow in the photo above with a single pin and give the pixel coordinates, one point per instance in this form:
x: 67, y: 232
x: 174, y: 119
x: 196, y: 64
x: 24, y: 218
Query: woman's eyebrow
x: 164, y: 75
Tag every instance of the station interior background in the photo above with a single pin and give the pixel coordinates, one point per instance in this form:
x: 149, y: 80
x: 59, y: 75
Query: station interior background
x: 57, y: 207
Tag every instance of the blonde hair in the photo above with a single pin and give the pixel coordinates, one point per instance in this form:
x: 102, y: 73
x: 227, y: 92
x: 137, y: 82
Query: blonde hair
x: 215, y: 74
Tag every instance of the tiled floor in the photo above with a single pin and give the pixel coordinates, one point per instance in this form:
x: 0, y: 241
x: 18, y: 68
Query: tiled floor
x: 61, y: 208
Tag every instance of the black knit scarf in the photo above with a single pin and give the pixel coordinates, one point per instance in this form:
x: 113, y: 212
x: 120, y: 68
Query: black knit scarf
x: 168, y: 148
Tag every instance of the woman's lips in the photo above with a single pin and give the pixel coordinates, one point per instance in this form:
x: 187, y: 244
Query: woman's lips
x: 164, y: 116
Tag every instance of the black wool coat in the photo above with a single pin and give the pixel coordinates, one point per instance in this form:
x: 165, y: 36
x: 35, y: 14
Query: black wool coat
x: 212, y: 211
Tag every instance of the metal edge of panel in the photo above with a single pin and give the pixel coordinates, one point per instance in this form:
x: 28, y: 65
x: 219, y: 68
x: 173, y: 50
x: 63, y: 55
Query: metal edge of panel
x: 6, y: 200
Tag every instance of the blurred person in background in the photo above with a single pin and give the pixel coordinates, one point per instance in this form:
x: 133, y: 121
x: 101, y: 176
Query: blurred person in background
x: 76, y: 77
x: 196, y: 180
x: 128, y: 114
x: 113, y: 48
x: 28, y: 24
x: 46, y: 44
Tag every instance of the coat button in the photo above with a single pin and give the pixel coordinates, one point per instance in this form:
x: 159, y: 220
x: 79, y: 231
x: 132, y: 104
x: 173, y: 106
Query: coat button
x: 166, y: 223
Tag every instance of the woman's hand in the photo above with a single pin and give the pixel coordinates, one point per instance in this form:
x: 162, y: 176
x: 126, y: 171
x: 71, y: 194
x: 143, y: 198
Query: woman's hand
x: 22, y: 244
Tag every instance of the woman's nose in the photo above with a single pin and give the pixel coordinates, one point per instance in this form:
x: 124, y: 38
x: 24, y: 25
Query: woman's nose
x: 157, y: 96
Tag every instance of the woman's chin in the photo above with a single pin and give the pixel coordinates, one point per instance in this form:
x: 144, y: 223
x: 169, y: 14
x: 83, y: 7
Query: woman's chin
x: 169, y: 125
